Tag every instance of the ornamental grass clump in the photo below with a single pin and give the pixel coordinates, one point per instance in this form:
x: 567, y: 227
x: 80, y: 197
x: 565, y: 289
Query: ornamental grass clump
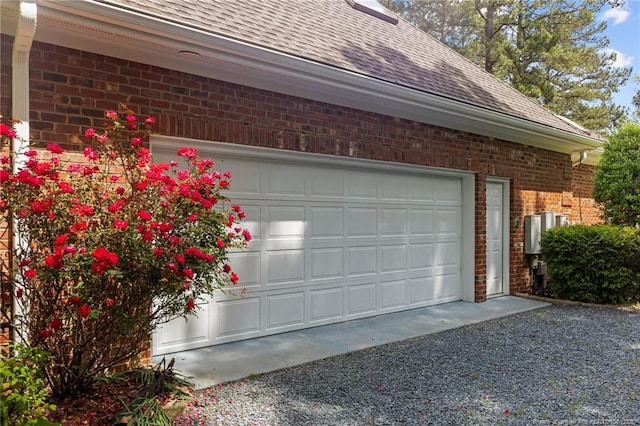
x: 110, y: 247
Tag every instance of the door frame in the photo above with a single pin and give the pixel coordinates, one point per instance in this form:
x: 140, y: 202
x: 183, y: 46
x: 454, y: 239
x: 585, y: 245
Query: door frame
x: 506, y: 213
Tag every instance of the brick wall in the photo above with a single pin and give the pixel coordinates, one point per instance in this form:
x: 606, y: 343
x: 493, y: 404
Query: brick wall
x: 71, y: 89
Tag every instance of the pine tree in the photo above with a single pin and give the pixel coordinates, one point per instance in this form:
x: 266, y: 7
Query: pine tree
x: 552, y: 51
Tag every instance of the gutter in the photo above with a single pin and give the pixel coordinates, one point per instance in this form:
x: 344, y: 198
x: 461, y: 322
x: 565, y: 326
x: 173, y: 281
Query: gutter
x: 105, y: 29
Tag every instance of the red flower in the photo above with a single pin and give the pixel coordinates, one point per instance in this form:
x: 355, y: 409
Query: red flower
x: 84, y: 311
x: 65, y: 187
x: 190, y: 304
x: 61, y: 240
x: 189, y: 153
x: 90, y: 153
x: 158, y: 251
x: 115, y: 206
x: 89, y: 133
x: 150, y: 120
x: 55, y: 324
x: 53, y: 261
x: 74, y: 300
x: 30, y: 273
x: 104, y: 260
x: 136, y: 141
x: 144, y: 215
x: 226, y: 268
x: 246, y: 234
x: 193, y: 217
x: 234, y: 278
x: 77, y: 227
x: 188, y: 273
x: 45, y: 333
x: 7, y: 131
x: 54, y: 148
x: 110, y: 302
x: 120, y: 224
x: 19, y: 293
x: 220, y: 243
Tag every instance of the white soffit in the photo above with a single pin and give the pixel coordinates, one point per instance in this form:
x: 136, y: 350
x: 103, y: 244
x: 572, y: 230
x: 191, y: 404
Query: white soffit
x: 103, y: 29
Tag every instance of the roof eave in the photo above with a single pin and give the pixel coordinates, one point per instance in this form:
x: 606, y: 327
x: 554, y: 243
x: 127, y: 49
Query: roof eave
x: 104, y: 29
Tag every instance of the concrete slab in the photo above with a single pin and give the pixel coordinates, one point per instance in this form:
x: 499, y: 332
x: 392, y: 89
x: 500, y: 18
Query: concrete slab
x: 209, y: 366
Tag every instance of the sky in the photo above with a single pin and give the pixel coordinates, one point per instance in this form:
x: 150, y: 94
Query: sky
x: 623, y: 31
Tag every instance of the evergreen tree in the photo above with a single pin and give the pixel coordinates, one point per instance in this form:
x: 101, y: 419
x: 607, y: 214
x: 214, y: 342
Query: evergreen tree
x: 552, y: 51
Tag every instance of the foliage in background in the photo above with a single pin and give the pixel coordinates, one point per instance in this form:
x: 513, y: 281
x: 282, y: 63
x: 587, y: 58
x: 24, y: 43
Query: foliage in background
x: 552, y: 51
x: 112, y: 246
x: 594, y: 264
x: 617, y: 177
x: 23, y: 395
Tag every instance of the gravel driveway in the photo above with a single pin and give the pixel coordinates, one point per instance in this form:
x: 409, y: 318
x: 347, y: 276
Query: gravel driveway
x: 560, y: 365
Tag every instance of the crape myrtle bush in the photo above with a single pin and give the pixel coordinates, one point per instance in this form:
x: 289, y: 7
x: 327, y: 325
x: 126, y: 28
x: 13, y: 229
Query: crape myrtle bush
x: 595, y: 264
x: 111, y: 247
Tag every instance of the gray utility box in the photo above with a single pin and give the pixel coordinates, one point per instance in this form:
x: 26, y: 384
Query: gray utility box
x: 532, y: 233
x: 534, y: 227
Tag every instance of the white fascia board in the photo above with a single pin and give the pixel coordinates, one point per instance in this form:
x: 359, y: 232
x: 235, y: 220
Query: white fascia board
x: 103, y: 29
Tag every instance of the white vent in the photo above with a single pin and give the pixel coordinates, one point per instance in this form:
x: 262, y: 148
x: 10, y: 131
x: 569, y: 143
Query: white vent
x: 373, y: 8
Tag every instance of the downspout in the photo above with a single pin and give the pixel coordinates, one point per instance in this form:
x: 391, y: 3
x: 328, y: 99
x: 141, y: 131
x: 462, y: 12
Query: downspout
x: 25, y: 33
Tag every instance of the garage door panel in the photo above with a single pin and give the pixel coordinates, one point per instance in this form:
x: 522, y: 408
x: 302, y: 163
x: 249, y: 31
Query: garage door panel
x: 238, y: 318
x: 243, y: 181
x: 420, y: 290
x: 446, y: 287
x: 362, y: 260
x: 393, y: 222
x: 247, y: 265
x: 421, y: 222
x: 393, y: 294
x: 279, y: 183
x: 363, y: 222
x: 418, y: 191
x: 182, y: 333
x: 285, y: 222
x: 361, y: 299
x: 447, y: 254
x: 285, y: 266
x: 326, y: 263
x: 393, y: 258
x: 253, y: 219
x: 325, y: 304
x: 421, y: 256
x: 327, y: 222
x: 327, y: 183
x: 447, y: 222
x: 393, y: 187
x: 447, y: 191
x: 362, y: 186
x: 285, y: 310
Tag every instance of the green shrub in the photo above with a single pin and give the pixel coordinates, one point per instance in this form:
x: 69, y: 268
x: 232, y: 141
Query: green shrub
x: 23, y: 395
x: 596, y: 264
x: 616, y: 179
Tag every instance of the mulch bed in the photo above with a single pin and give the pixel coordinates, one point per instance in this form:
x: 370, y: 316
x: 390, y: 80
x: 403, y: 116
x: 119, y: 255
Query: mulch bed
x: 97, y: 406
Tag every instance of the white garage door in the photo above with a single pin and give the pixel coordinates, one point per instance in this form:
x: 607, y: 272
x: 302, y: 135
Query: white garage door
x: 331, y: 243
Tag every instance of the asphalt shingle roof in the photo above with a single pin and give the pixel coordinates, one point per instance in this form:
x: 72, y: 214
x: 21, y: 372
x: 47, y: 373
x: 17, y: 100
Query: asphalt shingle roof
x: 333, y: 33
